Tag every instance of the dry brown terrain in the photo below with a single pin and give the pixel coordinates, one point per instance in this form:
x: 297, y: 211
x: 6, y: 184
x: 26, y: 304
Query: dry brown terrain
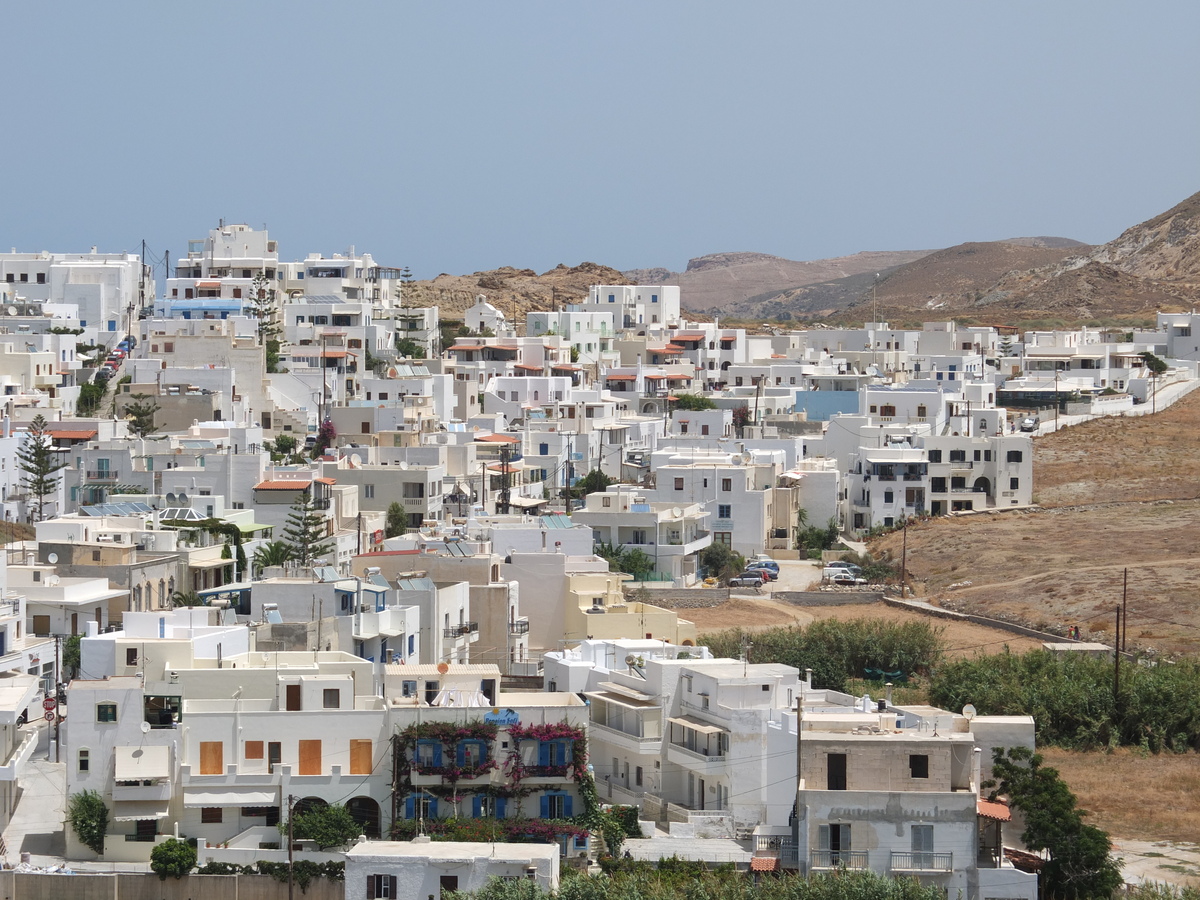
x: 962, y: 638
x: 1135, y: 479
x: 1166, y: 788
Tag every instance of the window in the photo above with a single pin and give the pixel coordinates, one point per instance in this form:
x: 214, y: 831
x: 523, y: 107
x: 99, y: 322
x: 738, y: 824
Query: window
x: 421, y: 806
x: 727, y: 484
x: 1014, y: 483
x: 835, y: 768
x: 360, y: 756
x: 918, y: 765
x: 310, y: 757
x: 887, y: 411
x: 935, y: 456
x: 888, y: 497
x: 254, y: 749
x: 408, y: 688
x: 131, y: 656
x: 958, y: 456
x: 429, y: 753
x: 922, y: 846
x: 833, y: 840
x: 556, y: 805
x: 106, y: 712
x: 84, y: 761
x: 606, y: 501
x: 381, y: 886
x: 369, y: 491
x: 210, y: 815
x: 95, y: 557
x: 679, y: 484
x: 724, y: 511
x: 1015, y: 456
x: 212, y: 761
x: 637, y: 776
x: 332, y: 698
x: 274, y: 755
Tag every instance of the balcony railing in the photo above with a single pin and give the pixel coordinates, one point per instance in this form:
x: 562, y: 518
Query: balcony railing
x: 521, y: 627
x: 459, y: 630
x: 922, y: 861
x: 102, y: 474
x: 837, y: 859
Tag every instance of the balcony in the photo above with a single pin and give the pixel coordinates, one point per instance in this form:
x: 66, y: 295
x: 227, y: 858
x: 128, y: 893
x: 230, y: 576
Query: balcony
x: 11, y: 770
x: 519, y: 627
x: 777, y: 846
x: 158, y: 790
x: 321, y: 503
x: 922, y: 861
x: 837, y: 859
x: 456, y: 631
x: 103, y: 474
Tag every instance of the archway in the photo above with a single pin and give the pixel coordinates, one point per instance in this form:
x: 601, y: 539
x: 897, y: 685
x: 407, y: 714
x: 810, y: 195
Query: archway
x: 982, y: 485
x: 365, y: 812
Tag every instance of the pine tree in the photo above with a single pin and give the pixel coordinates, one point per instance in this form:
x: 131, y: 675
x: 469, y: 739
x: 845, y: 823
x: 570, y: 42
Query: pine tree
x: 38, y: 460
x: 396, y: 523
x: 305, y: 531
x: 140, y: 412
x: 262, y: 307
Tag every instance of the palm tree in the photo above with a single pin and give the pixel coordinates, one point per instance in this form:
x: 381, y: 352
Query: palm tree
x: 272, y: 553
x: 186, y: 598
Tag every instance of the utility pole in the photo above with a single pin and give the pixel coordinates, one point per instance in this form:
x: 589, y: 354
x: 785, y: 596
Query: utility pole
x: 904, y: 561
x: 57, y: 681
x: 1056, y: 398
x: 1125, y: 611
x: 290, y: 860
x: 1117, y: 665
x: 505, y: 480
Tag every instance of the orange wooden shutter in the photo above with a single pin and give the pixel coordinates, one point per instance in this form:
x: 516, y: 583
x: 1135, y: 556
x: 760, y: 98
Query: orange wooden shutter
x: 212, y: 760
x: 254, y: 749
x: 360, y: 757
x: 310, y: 757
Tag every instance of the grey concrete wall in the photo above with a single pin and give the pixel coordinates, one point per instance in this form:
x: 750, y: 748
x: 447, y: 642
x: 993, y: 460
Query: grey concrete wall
x: 828, y: 598
x: 683, y: 598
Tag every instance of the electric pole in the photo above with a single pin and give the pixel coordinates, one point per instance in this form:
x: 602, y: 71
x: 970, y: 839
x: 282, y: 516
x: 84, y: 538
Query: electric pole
x: 290, y: 859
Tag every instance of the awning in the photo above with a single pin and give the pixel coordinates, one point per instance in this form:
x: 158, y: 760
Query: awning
x: 209, y: 563
x: 526, y: 502
x: 230, y: 797
x: 695, y: 725
x: 209, y: 285
x: 620, y: 700
x: 251, y: 527
x: 615, y: 688
x: 764, y: 864
x: 142, y: 763
x: 137, y: 810
x: 990, y: 809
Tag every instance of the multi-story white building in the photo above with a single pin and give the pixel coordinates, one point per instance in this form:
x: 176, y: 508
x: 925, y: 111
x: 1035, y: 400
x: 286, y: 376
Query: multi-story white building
x: 635, y: 307
x: 590, y: 333
x: 348, y: 275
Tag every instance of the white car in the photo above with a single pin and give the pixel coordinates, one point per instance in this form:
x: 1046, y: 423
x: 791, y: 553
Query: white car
x: 846, y: 578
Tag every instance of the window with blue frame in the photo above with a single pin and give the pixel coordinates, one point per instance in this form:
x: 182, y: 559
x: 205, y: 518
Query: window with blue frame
x: 543, y: 449
x: 428, y: 753
x: 420, y: 806
x: 487, y: 807
x: 612, y: 298
x: 470, y: 754
x: 555, y: 754
x: 556, y: 805
x: 654, y: 298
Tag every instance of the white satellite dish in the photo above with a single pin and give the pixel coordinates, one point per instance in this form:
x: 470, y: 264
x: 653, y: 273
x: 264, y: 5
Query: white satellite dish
x: 355, y: 461
x: 52, y: 558
x: 145, y: 727
x: 182, y: 498
x: 170, y: 497
x: 11, y: 310
x: 631, y: 661
x: 969, y: 712
x: 403, y: 466
x: 676, y: 512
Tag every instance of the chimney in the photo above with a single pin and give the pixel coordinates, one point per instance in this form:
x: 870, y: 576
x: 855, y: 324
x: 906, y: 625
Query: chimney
x: 889, y: 693
x: 93, y: 628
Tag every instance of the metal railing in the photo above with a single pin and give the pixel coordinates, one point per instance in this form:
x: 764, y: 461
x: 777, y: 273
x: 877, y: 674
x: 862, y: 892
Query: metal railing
x: 837, y: 859
x: 103, y: 474
x: 521, y: 627
x: 921, y: 861
x: 458, y: 630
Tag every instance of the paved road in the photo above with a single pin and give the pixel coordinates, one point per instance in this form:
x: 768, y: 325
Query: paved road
x: 37, y: 823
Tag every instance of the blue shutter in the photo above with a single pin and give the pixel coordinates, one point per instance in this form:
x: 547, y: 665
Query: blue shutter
x: 567, y: 805
x: 501, y: 803
x: 460, y: 753
x: 545, y: 806
x: 437, y: 754
x: 408, y: 808
x: 543, y: 753
x: 476, y: 806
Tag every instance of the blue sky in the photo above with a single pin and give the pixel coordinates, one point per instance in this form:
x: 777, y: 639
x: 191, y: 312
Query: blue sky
x: 456, y: 137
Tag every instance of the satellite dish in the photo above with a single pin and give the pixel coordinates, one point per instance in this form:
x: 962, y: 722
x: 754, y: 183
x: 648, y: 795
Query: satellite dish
x: 145, y: 727
x: 631, y: 661
x: 170, y: 497
x: 11, y: 310
x: 676, y: 512
x: 52, y: 558
x: 355, y: 461
x: 969, y: 712
x: 182, y: 498
x: 403, y: 466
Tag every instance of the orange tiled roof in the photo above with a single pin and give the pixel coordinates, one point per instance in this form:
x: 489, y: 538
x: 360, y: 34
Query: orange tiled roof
x: 499, y: 439
x: 326, y: 480
x: 70, y: 434
x: 990, y: 809
x: 764, y: 864
x: 282, y: 486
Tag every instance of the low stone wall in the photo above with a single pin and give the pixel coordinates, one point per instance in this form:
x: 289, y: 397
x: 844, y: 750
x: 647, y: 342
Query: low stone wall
x: 130, y: 886
x: 683, y: 598
x: 999, y: 624
x: 828, y: 598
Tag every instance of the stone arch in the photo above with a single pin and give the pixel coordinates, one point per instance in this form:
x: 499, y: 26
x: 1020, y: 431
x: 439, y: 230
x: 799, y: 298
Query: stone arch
x: 365, y: 811
x: 307, y: 804
x: 982, y: 485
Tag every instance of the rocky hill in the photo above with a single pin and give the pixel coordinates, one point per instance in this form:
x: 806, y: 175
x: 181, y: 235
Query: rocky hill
x: 722, y: 282
x: 513, y: 291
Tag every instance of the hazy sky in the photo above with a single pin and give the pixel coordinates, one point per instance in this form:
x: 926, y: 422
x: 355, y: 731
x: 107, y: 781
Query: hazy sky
x: 454, y: 137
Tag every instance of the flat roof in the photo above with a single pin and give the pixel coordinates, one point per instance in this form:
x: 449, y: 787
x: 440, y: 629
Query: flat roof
x: 452, y: 851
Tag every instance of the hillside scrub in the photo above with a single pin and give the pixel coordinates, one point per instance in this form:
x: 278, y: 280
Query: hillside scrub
x: 838, y: 650
x: 675, y: 879
x: 1071, y: 698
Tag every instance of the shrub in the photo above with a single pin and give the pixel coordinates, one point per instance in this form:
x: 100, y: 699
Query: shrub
x: 328, y: 826
x: 172, y: 858
x: 88, y: 817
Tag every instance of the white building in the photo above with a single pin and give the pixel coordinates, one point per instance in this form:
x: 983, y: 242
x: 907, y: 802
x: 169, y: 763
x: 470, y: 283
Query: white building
x: 636, y: 307
x: 421, y: 868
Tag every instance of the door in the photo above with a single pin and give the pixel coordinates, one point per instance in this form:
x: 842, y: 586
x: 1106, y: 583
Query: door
x: 274, y: 755
x: 293, y: 697
x: 41, y: 625
x: 702, y: 793
x: 835, y: 772
x: 449, y: 884
x: 75, y: 623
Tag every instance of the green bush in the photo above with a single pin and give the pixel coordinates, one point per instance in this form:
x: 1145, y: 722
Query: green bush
x: 838, y: 651
x: 173, y: 858
x: 88, y: 818
x: 1071, y: 698
x: 328, y: 826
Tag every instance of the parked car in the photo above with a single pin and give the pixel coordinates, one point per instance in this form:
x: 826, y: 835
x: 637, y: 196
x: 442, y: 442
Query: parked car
x: 771, y: 574
x: 845, y: 577
x: 749, y: 578
x: 1030, y: 423
x: 759, y: 563
x: 840, y: 564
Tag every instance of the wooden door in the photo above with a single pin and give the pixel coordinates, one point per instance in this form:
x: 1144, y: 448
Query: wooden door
x: 293, y: 697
